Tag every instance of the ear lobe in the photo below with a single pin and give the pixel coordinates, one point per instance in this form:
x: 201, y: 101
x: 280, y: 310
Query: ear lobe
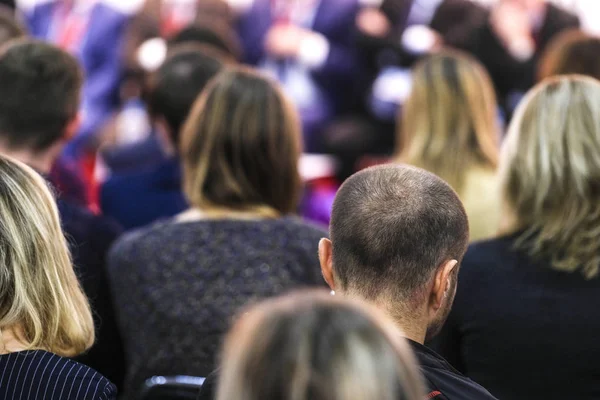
x: 325, y: 258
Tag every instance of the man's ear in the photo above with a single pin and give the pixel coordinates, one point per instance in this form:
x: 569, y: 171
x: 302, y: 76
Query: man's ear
x: 325, y: 258
x: 442, y: 284
x: 73, y: 127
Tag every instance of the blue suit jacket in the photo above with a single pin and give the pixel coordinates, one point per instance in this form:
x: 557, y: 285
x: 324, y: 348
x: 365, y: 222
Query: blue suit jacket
x: 334, y: 19
x: 140, y: 198
x: 100, y: 55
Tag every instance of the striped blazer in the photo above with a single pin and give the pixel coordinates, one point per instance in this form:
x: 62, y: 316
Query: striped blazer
x: 37, y: 374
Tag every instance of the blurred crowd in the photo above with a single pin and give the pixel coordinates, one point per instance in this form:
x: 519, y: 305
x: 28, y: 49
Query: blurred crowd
x: 197, y: 151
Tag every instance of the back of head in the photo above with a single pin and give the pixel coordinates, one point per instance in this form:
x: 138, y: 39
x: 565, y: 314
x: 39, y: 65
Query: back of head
x: 550, y: 172
x: 391, y: 228
x: 44, y: 83
x: 218, y: 36
x: 311, y: 346
x: 41, y: 302
x: 449, y: 121
x: 177, y: 84
x: 571, y: 52
x: 241, y: 146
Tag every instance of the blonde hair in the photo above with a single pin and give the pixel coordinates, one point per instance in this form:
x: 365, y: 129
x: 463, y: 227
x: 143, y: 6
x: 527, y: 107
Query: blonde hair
x: 241, y: 146
x: 41, y: 301
x: 550, y: 172
x: 309, y: 345
x: 449, y: 122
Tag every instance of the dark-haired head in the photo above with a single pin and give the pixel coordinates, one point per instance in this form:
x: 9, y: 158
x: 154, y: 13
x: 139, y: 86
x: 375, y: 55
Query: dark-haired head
x: 218, y: 37
x: 44, y: 84
x: 177, y: 84
x: 241, y: 146
x: 398, y: 234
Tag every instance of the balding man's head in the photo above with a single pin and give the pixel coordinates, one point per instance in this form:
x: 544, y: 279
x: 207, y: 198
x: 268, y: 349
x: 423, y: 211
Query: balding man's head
x: 392, y: 229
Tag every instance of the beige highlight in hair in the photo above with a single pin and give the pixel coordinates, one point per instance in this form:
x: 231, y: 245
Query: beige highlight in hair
x: 550, y: 172
x: 312, y: 346
x: 448, y: 124
x: 41, y: 301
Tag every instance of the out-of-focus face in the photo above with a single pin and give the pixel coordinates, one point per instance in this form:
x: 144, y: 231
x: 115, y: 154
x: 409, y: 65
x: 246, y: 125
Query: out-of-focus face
x: 527, y: 4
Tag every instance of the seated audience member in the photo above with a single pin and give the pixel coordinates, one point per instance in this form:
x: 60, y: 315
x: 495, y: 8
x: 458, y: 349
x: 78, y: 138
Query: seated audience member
x: 510, y: 43
x: 312, y: 346
x: 36, y: 121
x: 146, y: 151
x: 571, y: 52
x: 308, y: 46
x: 178, y: 282
x: 94, y: 32
x: 523, y: 323
x: 139, y: 198
x: 398, y: 234
x: 44, y: 314
x: 449, y: 127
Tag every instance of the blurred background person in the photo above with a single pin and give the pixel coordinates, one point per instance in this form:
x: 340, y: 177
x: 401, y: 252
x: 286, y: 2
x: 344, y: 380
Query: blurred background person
x: 45, y: 315
x: 449, y: 126
x: 510, y: 43
x: 93, y: 31
x: 523, y: 320
x: 176, y: 85
x: 36, y: 121
x: 134, y: 144
x: 398, y: 235
x: 571, y: 52
x: 178, y: 282
x: 283, y: 348
x: 308, y: 46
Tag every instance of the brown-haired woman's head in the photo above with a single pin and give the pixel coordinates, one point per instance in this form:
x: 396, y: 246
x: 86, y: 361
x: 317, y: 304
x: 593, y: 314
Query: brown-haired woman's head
x: 550, y: 173
x: 41, y: 302
x: 449, y: 122
x: 571, y: 52
x: 310, y: 345
x: 241, y: 145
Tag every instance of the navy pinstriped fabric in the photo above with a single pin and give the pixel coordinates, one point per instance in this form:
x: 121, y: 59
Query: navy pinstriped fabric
x: 37, y: 375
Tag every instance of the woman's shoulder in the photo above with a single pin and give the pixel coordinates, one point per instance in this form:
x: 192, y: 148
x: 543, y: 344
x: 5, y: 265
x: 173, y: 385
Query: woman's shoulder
x: 300, y: 226
x: 50, y: 376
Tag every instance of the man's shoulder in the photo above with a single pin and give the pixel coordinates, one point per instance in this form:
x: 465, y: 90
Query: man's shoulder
x: 443, y: 381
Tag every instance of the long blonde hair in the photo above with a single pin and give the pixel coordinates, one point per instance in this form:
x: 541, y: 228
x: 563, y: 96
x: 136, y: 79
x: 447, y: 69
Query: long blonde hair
x: 449, y: 122
x: 41, y: 302
x: 312, y: 346
x: 550, y: 172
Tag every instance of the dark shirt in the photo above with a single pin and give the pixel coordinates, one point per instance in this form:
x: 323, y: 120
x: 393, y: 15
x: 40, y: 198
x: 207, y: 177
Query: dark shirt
x: 139, y: 198
x: 90, y: 238
x: 178, y: 285
x: 33, y: 375
x: 522, y: 329
x: 443, y: 382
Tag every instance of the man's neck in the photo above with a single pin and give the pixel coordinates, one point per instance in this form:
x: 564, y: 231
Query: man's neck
x: 412, y: 326
x: 42, y: 161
